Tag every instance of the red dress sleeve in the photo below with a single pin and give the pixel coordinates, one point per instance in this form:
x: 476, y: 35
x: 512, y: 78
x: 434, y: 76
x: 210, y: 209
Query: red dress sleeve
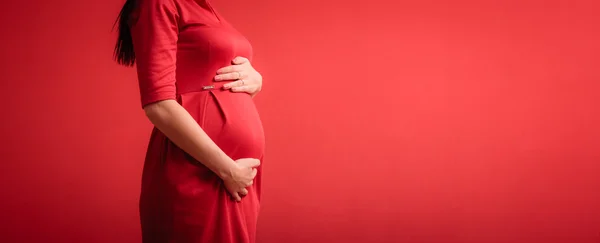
x: 154, y: 33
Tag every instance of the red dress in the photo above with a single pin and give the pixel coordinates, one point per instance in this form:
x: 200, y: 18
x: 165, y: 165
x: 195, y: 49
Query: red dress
x: 179, y: 45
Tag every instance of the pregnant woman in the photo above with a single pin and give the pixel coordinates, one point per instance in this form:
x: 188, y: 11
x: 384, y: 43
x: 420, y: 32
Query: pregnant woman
x: 201, y: 176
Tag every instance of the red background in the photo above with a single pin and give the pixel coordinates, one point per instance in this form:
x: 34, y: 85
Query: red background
x: 386, y: 121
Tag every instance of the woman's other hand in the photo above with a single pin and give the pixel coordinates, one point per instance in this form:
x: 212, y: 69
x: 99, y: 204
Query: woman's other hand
x: 241, y: 176
x: 245, y: 78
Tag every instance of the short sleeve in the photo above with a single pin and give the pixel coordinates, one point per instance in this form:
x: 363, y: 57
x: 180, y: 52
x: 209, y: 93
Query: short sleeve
x: 154, y: 33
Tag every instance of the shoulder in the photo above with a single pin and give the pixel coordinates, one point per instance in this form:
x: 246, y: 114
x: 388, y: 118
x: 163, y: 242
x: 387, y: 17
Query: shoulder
x: 159, y: 5
x: 157, y: 9
x: 155, y: 13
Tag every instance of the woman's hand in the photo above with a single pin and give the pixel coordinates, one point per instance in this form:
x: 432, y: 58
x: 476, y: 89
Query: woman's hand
x: 241, y: 176
x: 245, y: 78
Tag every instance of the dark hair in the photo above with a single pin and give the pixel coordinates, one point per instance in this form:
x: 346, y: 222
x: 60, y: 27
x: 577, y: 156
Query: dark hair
x: 123, y: 53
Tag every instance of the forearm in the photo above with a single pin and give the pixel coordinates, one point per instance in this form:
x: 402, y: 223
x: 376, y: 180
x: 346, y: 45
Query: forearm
x: 180, y: 127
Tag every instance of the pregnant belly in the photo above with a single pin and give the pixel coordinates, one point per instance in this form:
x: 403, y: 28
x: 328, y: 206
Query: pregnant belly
x: 230, y: 119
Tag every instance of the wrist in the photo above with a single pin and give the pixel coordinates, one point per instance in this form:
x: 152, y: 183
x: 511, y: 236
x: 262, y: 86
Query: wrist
x: 226, y: 171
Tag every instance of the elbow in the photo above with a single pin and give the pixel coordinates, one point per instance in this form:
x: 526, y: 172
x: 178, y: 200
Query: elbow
x: 156, y: 110
x: 151, y: 110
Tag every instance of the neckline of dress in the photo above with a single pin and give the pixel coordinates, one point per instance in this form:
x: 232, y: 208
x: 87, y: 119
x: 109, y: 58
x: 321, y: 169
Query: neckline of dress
x: 212, y: 10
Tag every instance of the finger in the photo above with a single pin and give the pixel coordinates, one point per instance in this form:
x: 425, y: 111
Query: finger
x: 230, y: 69
x: 254, y: 172
x: 240, y: 60
x: 230, y: 76
x: 244, y: 88
x: 253, y: 163
x: 249, y: 163
x: 238, y: 83
x: 236, y: 196
x: 243, y: 192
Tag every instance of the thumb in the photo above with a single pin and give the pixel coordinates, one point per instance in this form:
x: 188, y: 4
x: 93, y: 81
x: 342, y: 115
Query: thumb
x: 239, y: 60
x: 251, y: 163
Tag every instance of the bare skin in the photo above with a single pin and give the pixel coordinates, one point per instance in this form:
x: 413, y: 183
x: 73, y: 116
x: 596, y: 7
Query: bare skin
x: 245, y: 78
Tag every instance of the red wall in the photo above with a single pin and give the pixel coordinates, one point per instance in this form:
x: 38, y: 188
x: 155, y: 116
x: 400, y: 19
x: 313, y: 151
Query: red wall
x: 386, y: 121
